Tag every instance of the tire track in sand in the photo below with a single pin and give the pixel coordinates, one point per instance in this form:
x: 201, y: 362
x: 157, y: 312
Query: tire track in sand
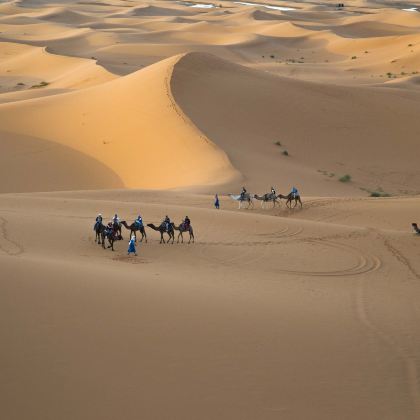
x: 7, y: 245
x: 408, y: 360
x: 365, y: 263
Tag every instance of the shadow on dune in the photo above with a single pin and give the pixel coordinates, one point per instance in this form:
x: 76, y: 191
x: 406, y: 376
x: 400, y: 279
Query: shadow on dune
x: 29, y: 164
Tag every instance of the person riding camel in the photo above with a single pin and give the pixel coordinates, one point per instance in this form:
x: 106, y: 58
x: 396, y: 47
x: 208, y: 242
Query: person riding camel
x: 116, y: 221
x: 98, y: 221
x: 273, y: 192
x: 167, y: 223
x: 294, y: 192
x: 243, y: 192
x: 139, y: 221
x: 187, y: 223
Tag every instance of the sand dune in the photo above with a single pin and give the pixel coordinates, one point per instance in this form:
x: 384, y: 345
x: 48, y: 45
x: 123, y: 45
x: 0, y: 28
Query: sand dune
x: 318, y: 125
x: 130, y: 125
x: 26, y: 67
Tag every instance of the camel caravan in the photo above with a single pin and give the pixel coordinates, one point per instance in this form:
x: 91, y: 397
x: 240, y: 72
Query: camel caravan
x: 292, y: 199
x: 112, y: 231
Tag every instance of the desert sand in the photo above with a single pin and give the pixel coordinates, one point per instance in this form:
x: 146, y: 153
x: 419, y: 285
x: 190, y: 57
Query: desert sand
x: 128, y: 107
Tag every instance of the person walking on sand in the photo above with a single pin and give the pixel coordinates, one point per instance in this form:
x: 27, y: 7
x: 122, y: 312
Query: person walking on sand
x: 216, y: 202
x: 132, y: 246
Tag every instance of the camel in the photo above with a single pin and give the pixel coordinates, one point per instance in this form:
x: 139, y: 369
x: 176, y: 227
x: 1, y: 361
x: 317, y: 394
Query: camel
x: 243, y: 198
x: 117, y: 229
x: 99, y: 228
x: 133, y: 228
x: 289, y: 198
x: 416, y: 228
x: 266, y: 198
x: 162, y: 229
x: 109, y: 234
x: 182, y: 228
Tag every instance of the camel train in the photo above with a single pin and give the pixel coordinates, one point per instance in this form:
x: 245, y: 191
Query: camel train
x: 292, y: 199
x: 112, y: 231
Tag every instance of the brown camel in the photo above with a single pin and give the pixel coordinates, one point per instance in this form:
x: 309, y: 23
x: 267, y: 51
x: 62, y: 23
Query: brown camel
x: 133, y: 228
x: 162, y: 229
x: 289, y: 198
x: 99, y: 229
x: 111, y: 235
x: 182, y: 228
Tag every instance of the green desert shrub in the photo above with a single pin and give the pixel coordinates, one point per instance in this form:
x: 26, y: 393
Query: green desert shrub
x: 345, y: 178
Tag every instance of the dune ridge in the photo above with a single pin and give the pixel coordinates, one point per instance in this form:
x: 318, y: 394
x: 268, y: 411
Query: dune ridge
x: 125, y: 134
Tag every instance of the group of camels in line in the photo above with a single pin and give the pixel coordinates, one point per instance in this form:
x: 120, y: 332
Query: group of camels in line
x: 114, y: 233
x: 291, y: 199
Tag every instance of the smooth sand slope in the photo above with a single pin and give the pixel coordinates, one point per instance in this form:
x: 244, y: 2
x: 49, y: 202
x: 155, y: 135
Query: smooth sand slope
x: 343, y: 130
x: 131, y: 125
x: 263, y: 317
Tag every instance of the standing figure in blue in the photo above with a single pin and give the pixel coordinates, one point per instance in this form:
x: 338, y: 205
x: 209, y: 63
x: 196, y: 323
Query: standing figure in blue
x: 132, y: 246
x: 216, y: 202
x: 294, y: 192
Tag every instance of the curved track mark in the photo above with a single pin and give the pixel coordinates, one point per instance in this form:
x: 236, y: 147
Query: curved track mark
x: 7, y: 245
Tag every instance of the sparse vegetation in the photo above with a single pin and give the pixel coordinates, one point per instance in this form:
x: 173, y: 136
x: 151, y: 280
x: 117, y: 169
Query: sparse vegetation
x: 272, y: 56
x: 354, y: 57
x: 20, y: 84
x: 345, y: 178
x: 277, y: 143
x: 326, y: 173
x: 379, y: 194
x: 410, y: 45
x: 285, y: 153
x: 40, y: 85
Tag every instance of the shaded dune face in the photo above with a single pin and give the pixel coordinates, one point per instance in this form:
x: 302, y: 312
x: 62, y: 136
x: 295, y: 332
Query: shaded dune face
x: 132, y: 125
x: 31, y: 164
x: 244, y: 111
